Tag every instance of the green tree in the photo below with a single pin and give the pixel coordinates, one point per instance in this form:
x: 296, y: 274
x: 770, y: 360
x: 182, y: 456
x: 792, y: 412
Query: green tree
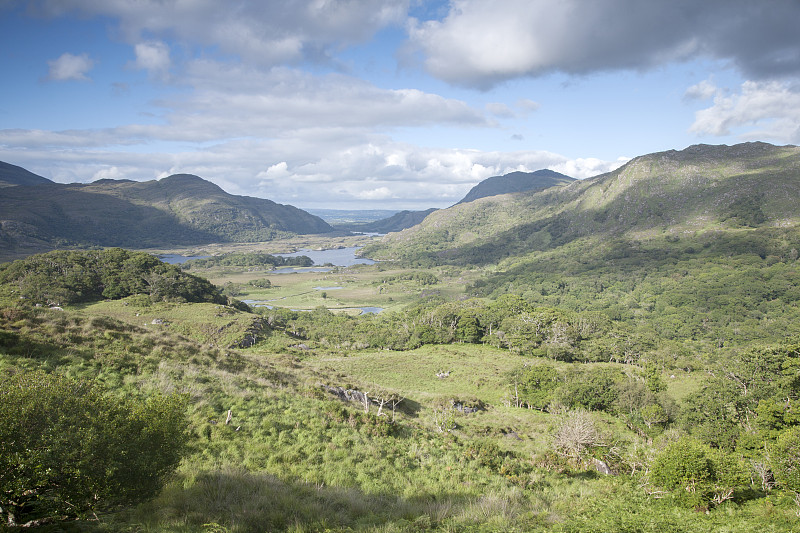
x: 785, y: 459
x: 695, y: 474
x: 70, y: 449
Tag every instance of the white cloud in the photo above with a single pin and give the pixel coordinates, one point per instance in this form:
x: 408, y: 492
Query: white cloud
x: 152, y: 56
x: 528, y: 105
x: 260, y: 32
x: 701, y: 91
x: 500, y: 110
x: 70, y: 67
x: 381, y: 193
x: 347, y: 174
x: 111, y: 173
x: 481, y: 44
x: 761, y: 110
x: 583, y: 168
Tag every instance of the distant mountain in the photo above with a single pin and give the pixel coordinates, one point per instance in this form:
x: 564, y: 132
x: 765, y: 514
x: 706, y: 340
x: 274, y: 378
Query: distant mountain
x: 516, y: 182
x: 181, y: 209
x: 670, y: 194
x: 11, y: 175
x: 343, y: 217
x: 397, y: 222
x: 509, y: 183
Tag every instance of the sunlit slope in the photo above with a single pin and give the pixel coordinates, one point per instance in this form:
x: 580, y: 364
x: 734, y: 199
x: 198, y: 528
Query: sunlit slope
x: 700, y: 189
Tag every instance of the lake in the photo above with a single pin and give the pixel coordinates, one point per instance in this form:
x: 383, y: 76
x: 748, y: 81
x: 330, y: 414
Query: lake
x: 177, y: 259
x: 339, y: 257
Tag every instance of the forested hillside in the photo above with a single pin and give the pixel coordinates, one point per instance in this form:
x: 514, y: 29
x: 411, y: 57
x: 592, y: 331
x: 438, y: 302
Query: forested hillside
x: 177, y: 210
x: 679, y: 194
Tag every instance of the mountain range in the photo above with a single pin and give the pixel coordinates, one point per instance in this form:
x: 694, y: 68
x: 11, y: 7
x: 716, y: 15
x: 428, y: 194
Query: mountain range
x: 508, y: 183
x: 182, y: 209
x: 677, y: 193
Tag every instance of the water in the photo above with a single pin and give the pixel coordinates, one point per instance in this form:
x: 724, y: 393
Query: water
x: 263, y: 303
x: 293, y: 270
x: 177, y: 259
x: 339, y: 257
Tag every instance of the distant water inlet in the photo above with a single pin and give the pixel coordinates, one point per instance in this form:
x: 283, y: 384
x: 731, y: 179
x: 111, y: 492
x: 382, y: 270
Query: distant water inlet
x: 338, y: 257
x: 367, y: 310
x: 177, y: 259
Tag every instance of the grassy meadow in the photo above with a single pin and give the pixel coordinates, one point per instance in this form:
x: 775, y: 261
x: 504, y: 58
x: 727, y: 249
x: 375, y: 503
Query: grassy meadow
x: 274, y: 449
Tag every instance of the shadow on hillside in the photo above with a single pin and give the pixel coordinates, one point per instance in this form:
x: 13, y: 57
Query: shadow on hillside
x: 237, y: 500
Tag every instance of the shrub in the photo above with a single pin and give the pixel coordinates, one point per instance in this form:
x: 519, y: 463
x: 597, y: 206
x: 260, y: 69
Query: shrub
x: 69, y: 449
x: 576, y: 436
x: 785, y: 459
x: 695, y: 474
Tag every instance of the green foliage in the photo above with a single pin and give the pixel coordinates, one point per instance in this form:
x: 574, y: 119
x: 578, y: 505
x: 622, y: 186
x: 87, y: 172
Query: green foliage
x: 252, y: 259
x: 695, y: 474
x: 68, y: 448
x: 785, y: 459
x: 66, y: 277
x: 593, y: 388
x: 533, y: 385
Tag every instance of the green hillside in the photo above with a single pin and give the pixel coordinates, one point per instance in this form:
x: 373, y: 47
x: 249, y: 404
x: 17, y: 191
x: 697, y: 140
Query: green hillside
x: 674, y: 193
x: 177, y: 210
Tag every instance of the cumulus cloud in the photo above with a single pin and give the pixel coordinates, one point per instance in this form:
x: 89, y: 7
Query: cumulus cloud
x: 482, y: 43
x: 152, y: 56
x: 760, y: 110
x: 259, y: 32
x: 527, y: 105
x: 345, y: 172
x: 701, y: 91
x: 70, y: 67
x: 500, y: 110
x: 235, y: 100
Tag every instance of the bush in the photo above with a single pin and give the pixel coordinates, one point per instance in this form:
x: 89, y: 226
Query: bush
x: 69, y: 449
x: 785, y: 458
x: 695, y: 474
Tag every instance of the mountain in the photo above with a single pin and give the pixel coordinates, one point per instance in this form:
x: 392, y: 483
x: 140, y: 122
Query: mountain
x: 516, y: 182
x: 509, y: 183
x: 11, y: 175
x: 397, y: 222
x: 675, y: 193
x: 181, y: 209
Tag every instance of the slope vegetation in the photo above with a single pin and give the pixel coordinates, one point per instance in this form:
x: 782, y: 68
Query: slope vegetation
x: 179, y: 209
x: 686, y: 193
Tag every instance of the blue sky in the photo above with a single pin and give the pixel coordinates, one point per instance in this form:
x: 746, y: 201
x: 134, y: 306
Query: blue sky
x: 397, y: 104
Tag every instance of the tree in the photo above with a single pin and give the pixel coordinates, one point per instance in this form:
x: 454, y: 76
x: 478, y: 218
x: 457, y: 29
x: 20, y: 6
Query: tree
x: 70, y: 449
x: 696, y: 474
x: 576, y: 436
x: 785, y: 459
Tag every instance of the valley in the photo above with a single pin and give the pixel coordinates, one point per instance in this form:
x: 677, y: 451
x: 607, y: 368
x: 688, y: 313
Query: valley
x: 620, y: 353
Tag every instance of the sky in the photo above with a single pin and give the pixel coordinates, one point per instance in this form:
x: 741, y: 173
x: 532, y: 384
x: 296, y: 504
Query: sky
x: 385, y: 104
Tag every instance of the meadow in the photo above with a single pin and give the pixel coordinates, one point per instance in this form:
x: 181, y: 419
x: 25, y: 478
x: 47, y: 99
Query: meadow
x: 483, y: 434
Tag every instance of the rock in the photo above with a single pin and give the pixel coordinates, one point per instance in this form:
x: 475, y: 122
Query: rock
x: 602, y: 467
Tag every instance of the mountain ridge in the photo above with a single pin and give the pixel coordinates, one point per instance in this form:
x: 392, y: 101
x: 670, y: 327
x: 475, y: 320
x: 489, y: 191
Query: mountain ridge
x: 181, y: 209
x: 700, y: 188
x: 516, y: 182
